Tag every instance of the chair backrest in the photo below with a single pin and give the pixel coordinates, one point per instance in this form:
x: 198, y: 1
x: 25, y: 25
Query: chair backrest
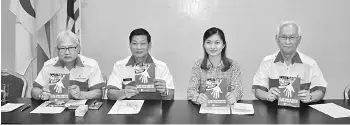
x: 347, y: 92
x: 17, y: 83
x: 104, y: 91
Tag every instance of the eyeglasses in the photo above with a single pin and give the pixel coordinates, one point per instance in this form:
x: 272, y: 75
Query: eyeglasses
x: 291, y: 38
x: 64, y: 49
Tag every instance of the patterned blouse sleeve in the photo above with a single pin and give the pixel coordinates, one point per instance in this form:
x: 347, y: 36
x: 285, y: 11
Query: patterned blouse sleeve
x: 236, y: 84
x: 194, y: 83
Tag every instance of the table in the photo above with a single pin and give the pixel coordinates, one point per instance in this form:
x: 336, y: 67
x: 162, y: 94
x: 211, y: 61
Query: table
x: 178, y: 112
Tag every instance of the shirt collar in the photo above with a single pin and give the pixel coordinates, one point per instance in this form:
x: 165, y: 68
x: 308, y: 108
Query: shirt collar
x: 132, y: 60
x: 295, y: 59
x: 78, y: 62
x: 210, y: 65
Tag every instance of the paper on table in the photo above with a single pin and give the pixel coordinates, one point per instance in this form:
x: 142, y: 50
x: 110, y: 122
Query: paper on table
x: 10, y: 107
x: 126, y: 107
x: 332, y: 110
x: 242, y: 108
x: 43, y: 109
x: 214, y: 110
x: 76, y: 102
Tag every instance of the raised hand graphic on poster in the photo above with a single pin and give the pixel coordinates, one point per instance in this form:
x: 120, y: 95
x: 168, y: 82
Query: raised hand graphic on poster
x: 288, y: 85
x: 216, y: 90
x: 56, y: 79
x: 214, y: 85
x: 143, y: 71
x: 288, y: 90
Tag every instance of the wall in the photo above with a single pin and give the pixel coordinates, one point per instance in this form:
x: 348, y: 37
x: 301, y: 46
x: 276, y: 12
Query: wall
x: 8, y: 21
x: 177, y: 28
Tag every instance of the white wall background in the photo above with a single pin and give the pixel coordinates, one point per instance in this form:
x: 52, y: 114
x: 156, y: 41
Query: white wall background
x: 8, y: 22
x: 177, y: 28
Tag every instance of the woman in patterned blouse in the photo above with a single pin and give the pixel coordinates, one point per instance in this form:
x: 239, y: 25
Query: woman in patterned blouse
x: 215, y: 66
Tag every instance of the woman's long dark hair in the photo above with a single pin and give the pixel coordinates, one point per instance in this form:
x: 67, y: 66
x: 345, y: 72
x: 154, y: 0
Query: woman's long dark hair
x: 225, y: 61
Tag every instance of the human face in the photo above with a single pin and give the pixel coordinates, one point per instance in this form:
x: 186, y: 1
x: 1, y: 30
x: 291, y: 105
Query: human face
x: 214, y: 45
x: 139, y: 46
x: 288, y: 40
x: 67, y: 50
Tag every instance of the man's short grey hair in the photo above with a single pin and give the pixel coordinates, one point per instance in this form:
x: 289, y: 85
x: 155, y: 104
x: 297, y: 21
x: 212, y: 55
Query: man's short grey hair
x: 284, y: 23
x: 67, y: 35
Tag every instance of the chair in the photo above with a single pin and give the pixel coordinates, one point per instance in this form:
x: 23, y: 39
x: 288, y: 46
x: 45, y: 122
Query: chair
x: 17, y: 83
x: 347, y: 92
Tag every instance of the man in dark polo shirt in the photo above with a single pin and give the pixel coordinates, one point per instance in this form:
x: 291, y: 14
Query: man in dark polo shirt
x: 288, y: 62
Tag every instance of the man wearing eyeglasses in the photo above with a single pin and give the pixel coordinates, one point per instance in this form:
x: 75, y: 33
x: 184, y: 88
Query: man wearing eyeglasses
x: 82, y: 73
x: 288, y: 62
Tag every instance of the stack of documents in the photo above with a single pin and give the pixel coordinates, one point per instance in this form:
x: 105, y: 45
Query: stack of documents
x: 242, y: 109
x: 126, y: 107
x: 44, y: 109
x: 214, y: 110
x: 332, y: 110
x: 237, y: 108
x: 10, y: 107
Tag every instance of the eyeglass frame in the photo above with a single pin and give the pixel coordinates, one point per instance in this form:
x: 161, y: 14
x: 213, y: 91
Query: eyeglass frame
x: 70, y: 49
x: 290, y: 38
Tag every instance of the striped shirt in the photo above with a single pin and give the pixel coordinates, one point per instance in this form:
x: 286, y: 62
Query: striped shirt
x: 199, y: 76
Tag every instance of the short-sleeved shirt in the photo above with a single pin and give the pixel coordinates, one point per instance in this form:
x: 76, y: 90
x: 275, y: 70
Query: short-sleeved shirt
x: 86, y: 73
x: 199, y: 76
x: 123, y: 70
x: 273, y: 66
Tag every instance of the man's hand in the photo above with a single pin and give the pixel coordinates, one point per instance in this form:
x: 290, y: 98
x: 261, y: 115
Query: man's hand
x: 160, y: 85
x: 231, y: 98
x: 202, y: 98
x: 305, y: 96
x: 130, y: 91
x: 74, y: 90
x: 272, y: 94
x: 45, y: 94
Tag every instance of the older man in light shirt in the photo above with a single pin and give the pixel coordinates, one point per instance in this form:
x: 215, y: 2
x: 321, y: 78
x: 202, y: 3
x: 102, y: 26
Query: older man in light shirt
x: 291, y: 63
x: 81, y: 73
